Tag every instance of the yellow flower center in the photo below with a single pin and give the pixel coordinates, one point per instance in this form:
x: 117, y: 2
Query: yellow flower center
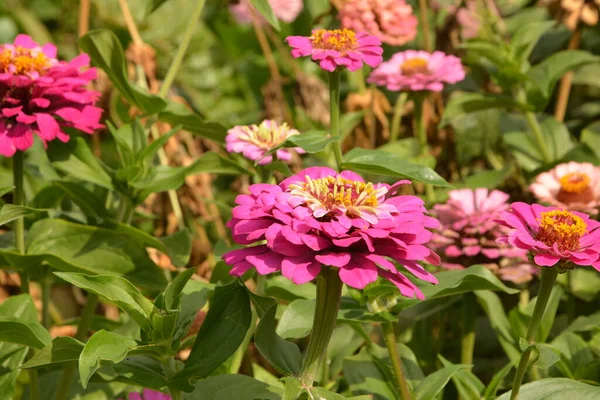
x: 561, y: 227
x: 415, y: 66
x: 23, y: 61
x: 269, y: 134
x: 340, y: 40
x: 574, y: 182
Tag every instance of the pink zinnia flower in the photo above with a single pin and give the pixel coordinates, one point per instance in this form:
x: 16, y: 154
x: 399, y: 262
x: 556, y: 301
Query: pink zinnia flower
x: 573, y: 186
x: 392, y: 21
x: 415, y: 70
x: 285, y: 10
x: 40, y: 94
x: 319, y: 217
x: 254, y: 141
x: 338, y: 48
x: 553, y: 236
x: 148, y: 394
x: 469, y: 232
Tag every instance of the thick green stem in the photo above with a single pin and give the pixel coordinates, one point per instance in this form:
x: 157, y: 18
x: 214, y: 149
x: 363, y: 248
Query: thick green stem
x: 397, y: 117
x: 392, y: 346
x: 19, y: 200
x: 334, y: 112
x: 46, y: 286
x: 536, y: 129
x: 547, y: 282
x: 467, y: 342
x: 421, y: 131
x: 329, y: 293
x: 571, y: 301
x: 171, y: 370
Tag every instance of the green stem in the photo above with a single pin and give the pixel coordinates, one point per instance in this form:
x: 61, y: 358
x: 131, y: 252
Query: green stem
x: 171, y: 370
x: 329, y: 293
x: 421, y: 132
x: 34, y: 384
x: 334, y: 112
x: 469, y: 314
x: 536, y: 129
x: 183, y: 46
x: 571, y: 304
x: 397, y: 117
x: 19, y: 200
x: 46, y: 286
x: 392, y: 346
x: 547, y: 282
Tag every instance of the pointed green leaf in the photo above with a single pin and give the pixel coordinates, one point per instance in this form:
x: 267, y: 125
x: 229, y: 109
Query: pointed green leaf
x: 264, y: 8
x: 62, y: 349
x: 15, y: 330
x: 233, y: 387
x: 10, y: 212
x: 556, y: 388
x: 492, y: 388
x: 435, y: 383
x: 179, y: 114
x: 465, y: 103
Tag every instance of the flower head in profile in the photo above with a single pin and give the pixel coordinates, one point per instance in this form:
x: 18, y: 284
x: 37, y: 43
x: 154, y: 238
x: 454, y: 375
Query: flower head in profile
x: 392, y: 21
x: 572, y: 185
x: 416, y: 70
x: 552, y: 236
x: 319, y: 217
x: 42, y: 95
x: 469, y: 232
x: 148, y: 394
x: 338, y: 48
x: 285, y: 10
x: 254, y: 141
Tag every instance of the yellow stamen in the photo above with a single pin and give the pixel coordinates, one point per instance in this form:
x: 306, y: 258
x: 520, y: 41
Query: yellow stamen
x: 575, y: 182
x: 563, y: 228
x: 23, y: 61
x: 415, y: 66
x: 340, y: 40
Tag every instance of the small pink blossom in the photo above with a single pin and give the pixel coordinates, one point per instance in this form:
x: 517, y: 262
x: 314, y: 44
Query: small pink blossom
x: 572, y: 185
x: 553, y: 236
x: 319, y: 217
x: 285, y: 10
x: 415, y: 70
x: 148, y: 394
x: 254, y: 141
x: 342, y: 48
x: 392, y: 21
x: 469, y: 232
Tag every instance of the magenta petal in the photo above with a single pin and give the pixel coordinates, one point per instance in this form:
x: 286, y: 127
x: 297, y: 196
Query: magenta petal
x: 359, y: 275
x: 546, y: 260
x: 334, y: 259
x: 266, y: 263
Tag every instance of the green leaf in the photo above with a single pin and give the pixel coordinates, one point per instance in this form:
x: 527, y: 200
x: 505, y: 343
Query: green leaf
x: 282, y: 288
x: 117, y: 290
x: 498, y: 378
x: 152, y: 5
x: 365, y: 376
x: 383, y: 163
x: 556, y: 388
x: 546, y: 74
x: 223, y: 330
x: 213, y: 163
x: 311, y: 142
x: 466, y: 103
x: 106, y: 52
x: 178, y: 247
x: 11, y: 212
x: 547, y: 356
x: 102, y: 348
x: 172, y: 294
x: 590, y: 135
x: 90, y: 203
x: 264, y: 8
x: 77, y: 160
x: 485, y: 179
x: 62, y: 349
x: 148, y: 154
x: 467, y: 384
x: 296, y: 321
x: 284, y: 356
x: 194, y: 297
x: 143, y: 370
x: 526, y: 37
x: 6, y: 189
x: 233, y: 387
x: 179, y: 114
x: 15, y: 330
x: 435, y: 383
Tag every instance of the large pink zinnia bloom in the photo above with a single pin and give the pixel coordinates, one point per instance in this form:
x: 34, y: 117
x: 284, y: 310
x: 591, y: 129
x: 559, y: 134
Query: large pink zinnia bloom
x: 319, y: 217
x: 285, y: 10
x: 469, y: 232
x: 148, y: 394
x: 254, y: 141
x: 572, y: 185
x: 416, y: 70
x: 39, y: 94
x: 392, y: 21
x: 339, y: 48
x: 553, y: 236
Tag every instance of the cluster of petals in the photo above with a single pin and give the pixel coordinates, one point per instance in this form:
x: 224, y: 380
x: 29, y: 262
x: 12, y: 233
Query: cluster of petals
x: 469, y: 232
x: 285, y: 10
x: 319, y: 217
x: 552, y: 236
x: 41, y: 95
x: 416, y: 70
x: 254, y: 141
x: 392, y: 21
x: 572, y: 185
x: 148, y: 394
x: 339, y: 48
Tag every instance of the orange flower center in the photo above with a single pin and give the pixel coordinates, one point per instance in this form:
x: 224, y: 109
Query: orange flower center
x: 415, y: 66
x: 341, y: 40
x: 575, y: 182
x: 23, y: 61
x: 561, y: 227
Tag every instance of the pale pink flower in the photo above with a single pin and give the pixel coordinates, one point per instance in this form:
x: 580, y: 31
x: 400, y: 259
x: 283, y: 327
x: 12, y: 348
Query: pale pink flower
x: 392, y: 21
x: 254, y: 141
x: 285, y: 10
x: 42, y: 95
x: 415, y: 70
x: 470, y: 20
x: 341, y: 48
x: 469, y: 232
x: 319, y: 217
x: 553, y: 236
x: 572, y: 185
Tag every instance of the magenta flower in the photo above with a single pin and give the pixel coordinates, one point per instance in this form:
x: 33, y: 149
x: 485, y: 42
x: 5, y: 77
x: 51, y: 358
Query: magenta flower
x: 319, y: 217
x: 415, y: 70
x: 254, y: 141
x: 553, y: 236
x: 338, y: 48
x: 285, y: 10
x: 41, y: 95
x: 572, y: 185
x: 469, y: 232
x: 148, y: 394
x: 392, y: 21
